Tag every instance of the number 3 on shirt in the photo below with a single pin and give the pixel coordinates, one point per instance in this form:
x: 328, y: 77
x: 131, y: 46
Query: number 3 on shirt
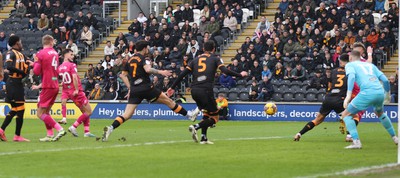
x: 54, y: 63
x: 202, y: 64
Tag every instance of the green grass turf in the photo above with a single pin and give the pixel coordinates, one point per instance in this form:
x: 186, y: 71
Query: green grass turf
x: 241, y: 149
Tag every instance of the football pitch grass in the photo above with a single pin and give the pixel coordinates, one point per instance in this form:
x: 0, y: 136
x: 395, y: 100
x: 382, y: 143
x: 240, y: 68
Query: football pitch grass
x: 165, y: 149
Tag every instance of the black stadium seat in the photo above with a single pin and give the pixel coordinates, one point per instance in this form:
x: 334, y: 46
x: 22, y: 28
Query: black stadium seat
x: 244, y: 96
x: 288, y: 97
x: 277, y: 97
x: 311, y: 97
x: 233, y: 96
x: 299, y: 97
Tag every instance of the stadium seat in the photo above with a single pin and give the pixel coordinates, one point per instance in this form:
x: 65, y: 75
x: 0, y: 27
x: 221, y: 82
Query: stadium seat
x: 306, y: 82
x: 223, y: 90
x: 295, y: 88
x: 241, y: 82
x: 244, y: 96
x: 244, y: 90
x: 289, y: 90
x: 277, y: 97
x: 377, y: 18
x: 299, y: 97
x: 322, y: 90
x: 286, y: 82
x: 310, y: 97
x: 321, y: 97
x: 288, y: 97
x: 312, y: 90
x: 296, y: 82
x: 235, y: 90
x: 233, y: 96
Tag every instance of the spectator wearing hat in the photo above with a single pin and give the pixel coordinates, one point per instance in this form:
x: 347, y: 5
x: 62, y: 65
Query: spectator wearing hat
x: 110, y: 94
x: 112, y: 83
x: 222, y: 105
x: 97, y: 93
x: 265, y: 90
x: 317, y: 81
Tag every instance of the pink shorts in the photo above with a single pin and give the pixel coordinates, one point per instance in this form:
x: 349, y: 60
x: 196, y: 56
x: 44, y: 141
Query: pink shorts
x: 47, y: 97
x: 79, y: 100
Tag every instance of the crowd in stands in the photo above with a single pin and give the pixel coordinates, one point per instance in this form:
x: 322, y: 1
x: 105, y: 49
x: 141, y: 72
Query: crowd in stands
x: 301, y: 45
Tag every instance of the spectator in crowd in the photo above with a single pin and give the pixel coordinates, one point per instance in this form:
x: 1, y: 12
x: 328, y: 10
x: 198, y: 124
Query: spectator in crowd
x: 278, y: 72
x: 266, y: 72
x: 256, y: 70
x: 180, y: 98
x: 86, y: 36
x: 112, y: 83
x: 117, y: 67
x: 393, y: 89
x: 69, y: 23
x: 108, y: 49
x: 230, y: 22
x: 71, y: 45
x: 2, y: 89
x: 3, y: 42
x: 80, y: 20
x: 238, y: 13
x: 31, y: 79
x: 20, y: 11
x: 110, y: 94
x: 89, y: 86
x: 90, y: 74
x: 99, y: 72
x: 265, y: 91
x: 299, y: 73
x: 205, y: 12
x: 43, y: 22
x: 120, y: 37
x: 31, y: 10
x: 213, y: 27
x: 32, y: 26
x: 107, y: 61
x: 318, y: 81
x: 134, y: 27
x: 97, y: 93
x: 226, y: 81
x: 157, y: 83
x: 166, y: 84
x: 263, y: 24
x: 222, y: 105
x: 187, y: 13
x: 253, y: 91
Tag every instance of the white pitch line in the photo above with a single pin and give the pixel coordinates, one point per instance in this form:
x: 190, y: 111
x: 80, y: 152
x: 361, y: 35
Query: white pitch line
x: 353, y: 171
x: 129, y: 145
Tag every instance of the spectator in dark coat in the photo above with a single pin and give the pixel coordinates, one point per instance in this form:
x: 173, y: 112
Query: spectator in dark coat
x: 226, y: 81
x: 318, y: 81
x: 256, y: 70
x: 187, y: 13
x: 265, y: 90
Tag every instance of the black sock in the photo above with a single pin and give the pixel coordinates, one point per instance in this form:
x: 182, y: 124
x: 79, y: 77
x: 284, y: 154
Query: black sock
x: 8, y: 119
x: 19, y: 122
x: 118, y: 121
x: 307, y: 127
x: 204, y: 134
x: 179, y: 109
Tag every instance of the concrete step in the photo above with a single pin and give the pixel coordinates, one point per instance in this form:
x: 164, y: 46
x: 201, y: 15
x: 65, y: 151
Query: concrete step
x: 393, y: 62
x: 391, y: 67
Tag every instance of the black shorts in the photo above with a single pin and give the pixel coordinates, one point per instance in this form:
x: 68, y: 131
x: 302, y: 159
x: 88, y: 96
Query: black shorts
x: 14, y: 91
x: 331, y: 103
x: 150, y: 95
x: 205, y: 100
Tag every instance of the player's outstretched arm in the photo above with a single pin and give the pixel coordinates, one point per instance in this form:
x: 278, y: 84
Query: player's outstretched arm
x: 180, y: 77
x: 369, y: 53
x: 232, y: 73
x: 385, y: 81
x: 151, y: 70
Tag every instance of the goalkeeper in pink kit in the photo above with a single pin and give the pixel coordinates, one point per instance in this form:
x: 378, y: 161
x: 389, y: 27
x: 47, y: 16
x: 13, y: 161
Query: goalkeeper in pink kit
x: 46, y: 63
x: 72, y: 89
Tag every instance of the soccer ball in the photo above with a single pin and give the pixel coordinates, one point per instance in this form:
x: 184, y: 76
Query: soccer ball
x: 270, y: 108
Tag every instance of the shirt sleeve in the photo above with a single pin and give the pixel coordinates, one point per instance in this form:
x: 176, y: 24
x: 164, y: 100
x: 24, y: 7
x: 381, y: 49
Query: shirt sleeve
x: 73, y: 69
x: 349, y: 69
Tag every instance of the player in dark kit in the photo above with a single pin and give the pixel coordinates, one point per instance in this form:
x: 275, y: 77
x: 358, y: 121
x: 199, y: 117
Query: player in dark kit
x: 16, y: 64
x: 334, y: 98
x: 203, y: 69
x: 136, y: 76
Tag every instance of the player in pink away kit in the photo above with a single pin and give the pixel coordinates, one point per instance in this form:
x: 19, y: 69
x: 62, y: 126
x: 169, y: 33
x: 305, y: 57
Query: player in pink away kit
x: 72, y: 89
x: 46, y: 63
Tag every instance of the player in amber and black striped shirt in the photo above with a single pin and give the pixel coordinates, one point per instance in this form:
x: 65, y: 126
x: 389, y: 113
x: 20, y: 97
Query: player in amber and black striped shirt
x: 16, y: 64
x: 203, y: 69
